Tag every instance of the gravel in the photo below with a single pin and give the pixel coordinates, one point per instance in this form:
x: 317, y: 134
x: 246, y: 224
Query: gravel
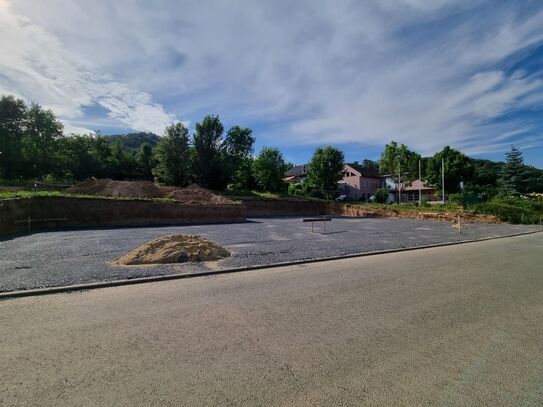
x: 55, y: 258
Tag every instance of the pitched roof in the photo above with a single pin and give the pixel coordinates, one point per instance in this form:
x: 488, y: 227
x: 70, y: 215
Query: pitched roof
x: 297, y: 170
x: 366, y: 172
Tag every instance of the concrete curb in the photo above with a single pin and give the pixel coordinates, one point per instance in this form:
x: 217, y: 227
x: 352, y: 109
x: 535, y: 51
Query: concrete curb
x: 166, y: 277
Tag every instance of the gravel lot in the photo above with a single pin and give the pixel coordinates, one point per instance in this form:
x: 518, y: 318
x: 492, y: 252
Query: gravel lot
x: 57, y: 258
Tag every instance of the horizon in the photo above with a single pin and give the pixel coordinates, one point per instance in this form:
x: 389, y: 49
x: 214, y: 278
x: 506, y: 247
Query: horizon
x: 356, y: 76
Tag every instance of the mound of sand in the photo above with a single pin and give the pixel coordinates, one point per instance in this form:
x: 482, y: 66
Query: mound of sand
x: 108, y: 187
x: 146, y: 189
x: 174, y: 249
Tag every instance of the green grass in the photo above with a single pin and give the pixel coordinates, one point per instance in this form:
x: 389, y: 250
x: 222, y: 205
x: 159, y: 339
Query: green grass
x: 57, y: 194
x: 263, y: 195
x: 448, y: 207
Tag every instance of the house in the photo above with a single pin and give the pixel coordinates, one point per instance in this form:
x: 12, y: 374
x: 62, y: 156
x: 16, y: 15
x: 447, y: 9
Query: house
x: 359, y: 183
x: 411, y: 192
x: 296, y: 174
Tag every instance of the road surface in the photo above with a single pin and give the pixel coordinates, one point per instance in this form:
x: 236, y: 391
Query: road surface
x: 452, y: 326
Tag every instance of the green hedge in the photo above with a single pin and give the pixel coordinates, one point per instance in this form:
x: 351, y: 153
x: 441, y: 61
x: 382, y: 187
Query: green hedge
x: 511, y: 211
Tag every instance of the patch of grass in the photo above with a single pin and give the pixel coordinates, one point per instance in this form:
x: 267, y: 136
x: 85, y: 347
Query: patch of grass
x: 448, y: 207
x: 36, y: 194
x: 263, y: 195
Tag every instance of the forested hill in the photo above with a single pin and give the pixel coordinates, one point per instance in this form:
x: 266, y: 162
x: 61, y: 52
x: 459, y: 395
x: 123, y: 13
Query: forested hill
x: 133, y: 141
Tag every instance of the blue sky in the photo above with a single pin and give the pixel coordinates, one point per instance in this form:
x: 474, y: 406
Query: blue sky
x: 465, y: 73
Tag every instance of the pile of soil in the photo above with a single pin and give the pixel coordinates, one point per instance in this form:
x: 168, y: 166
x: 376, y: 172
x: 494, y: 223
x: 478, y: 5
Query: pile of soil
x: 146, y: 189
x: 108, y: 187
x: 174, y: 249
x: 195, y: 193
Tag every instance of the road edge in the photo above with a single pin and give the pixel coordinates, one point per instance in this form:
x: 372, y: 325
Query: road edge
x: 166, y: 277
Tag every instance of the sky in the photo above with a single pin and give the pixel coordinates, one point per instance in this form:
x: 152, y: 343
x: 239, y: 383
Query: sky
x: 300, y: 73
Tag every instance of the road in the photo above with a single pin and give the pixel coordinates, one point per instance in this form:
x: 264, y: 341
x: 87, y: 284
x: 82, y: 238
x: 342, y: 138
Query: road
x: 451, y: 326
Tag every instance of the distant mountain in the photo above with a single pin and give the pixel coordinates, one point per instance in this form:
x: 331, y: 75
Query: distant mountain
x: 133, y: 141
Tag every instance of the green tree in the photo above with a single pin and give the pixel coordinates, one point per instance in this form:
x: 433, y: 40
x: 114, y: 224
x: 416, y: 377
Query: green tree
x: 269, y: 170
x: 370, y: 165
x: 400, y: 163
x: 42, y: 132
x: 457, y: 169
x: 325, y: 170
x: 145, y: 161
x: 12, y: 124
x: 207, y: 143
x: 172, y: 155
x: 236, y: 163
x: 513, y: 179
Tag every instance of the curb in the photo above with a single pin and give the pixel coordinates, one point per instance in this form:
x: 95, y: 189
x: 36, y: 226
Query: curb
x: 166, y: 277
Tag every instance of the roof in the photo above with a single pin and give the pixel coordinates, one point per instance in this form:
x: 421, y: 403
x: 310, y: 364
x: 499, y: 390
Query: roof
x: 366, y: 172
x: 416, y: 184
x: 297, y: 170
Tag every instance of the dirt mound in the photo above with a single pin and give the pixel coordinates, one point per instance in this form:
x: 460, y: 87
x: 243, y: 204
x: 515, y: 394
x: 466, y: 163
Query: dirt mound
x: 146, y: 189
x: 174, y: 249
x: 196, y: 194
x: 108, y: 187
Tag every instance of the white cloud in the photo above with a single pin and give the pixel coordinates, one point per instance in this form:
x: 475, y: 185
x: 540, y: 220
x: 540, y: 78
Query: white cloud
x: 426, y: 73
x: 36, y: 65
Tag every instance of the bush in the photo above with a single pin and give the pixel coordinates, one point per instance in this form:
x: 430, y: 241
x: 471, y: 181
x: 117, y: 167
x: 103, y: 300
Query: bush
x: 296, y: 189
x: 381, y: 195
x: 512, y: 210
x: 424, y: 201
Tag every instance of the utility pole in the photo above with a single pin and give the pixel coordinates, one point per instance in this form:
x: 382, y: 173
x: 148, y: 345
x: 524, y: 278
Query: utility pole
x: 399, y: 183
x: 443, y: 178
x: 420, y: 186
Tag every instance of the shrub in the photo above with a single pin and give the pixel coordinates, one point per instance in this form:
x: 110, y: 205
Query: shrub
x: 511, y: 210
x: 381, y: 195
x: 296, y: 189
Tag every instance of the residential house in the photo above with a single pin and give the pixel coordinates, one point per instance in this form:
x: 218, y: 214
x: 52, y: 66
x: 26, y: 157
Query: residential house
x: 411, y: 192
x: 296, y: 174
x: 359, y: 183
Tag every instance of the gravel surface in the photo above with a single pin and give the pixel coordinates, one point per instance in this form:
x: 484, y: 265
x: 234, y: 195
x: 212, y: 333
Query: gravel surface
x: 58, y: 258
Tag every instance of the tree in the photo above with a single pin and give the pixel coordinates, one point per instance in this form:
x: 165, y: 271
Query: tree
x: 513, y: 178
x: 269, y: 170
x: 207, y: 142
x: 12, y: 117
x: 457, y: 169
x: 42, y: 132
x: 370, y: 165
x: 325, y: 170
x: 144, y: 160
x: 401, y: 164
x: 172, y: 155
x: 236, y: 163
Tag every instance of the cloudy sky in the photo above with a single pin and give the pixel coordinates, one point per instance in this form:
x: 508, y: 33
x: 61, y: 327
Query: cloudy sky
x: 301, y: 73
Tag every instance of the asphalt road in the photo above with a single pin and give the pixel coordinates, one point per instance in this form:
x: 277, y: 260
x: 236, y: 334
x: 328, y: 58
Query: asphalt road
x: 451, y: 326
x: 68, y: 257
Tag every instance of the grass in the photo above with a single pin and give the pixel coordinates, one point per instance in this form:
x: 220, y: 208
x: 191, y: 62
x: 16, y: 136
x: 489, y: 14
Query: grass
x: 448, y: 207
x: 263, y: 195
x: 59, y: 194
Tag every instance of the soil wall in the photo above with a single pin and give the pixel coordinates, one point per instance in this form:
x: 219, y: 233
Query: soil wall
x: 284, y: 207
x: 47, y: 212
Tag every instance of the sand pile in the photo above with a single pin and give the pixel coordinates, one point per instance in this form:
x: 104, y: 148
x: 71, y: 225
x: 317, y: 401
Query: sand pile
x: 174, y: 249
x: 108, y: 187
x: 196, y: 194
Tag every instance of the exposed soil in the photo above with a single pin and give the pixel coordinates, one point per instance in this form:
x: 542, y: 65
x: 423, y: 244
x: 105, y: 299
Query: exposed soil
x: 108, y: 187
x: 146, y: 189
x: 194, y: 193
x: 174, y: 249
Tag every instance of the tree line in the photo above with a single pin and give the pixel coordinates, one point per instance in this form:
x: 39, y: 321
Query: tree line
x: 34, y: 146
